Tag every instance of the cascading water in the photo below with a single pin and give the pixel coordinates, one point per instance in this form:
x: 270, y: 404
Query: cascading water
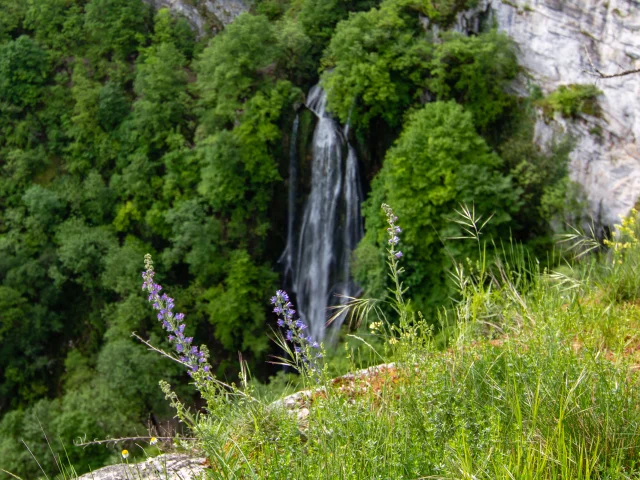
x: 319, y: 258
x: 289, y: 253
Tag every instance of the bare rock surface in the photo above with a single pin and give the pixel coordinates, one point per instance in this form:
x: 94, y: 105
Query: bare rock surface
x: 561, y: 42
x: 163, y: 467
x: 206, y: 16
x: 554, y: 37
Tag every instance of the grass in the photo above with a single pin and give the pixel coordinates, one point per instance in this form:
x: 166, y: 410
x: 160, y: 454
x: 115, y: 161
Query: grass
x: 537, y: 379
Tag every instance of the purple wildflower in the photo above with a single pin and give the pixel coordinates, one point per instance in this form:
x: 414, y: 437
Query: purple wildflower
x: 282, y: 295
x: 302, y: 345
x: 393, y: 231
x: 192, y: 357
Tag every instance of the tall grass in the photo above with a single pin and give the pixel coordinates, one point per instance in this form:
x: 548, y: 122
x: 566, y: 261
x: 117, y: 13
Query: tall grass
x: 533, y: 377
x: 536, y: 382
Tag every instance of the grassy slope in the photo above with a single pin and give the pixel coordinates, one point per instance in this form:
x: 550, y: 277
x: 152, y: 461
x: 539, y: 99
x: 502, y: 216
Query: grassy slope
x: 538, y: 381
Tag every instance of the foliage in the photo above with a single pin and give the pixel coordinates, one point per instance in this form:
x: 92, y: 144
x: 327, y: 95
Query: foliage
x: 115, y: 28
x: 623, y: 260
x: 552, y: 201
x: 100, y: 163
x: 438, y: 162
x: 476, y: 72
x: 570, y: 100
x: 379, y: 63
x: 320, y: 17
x: 23, y: 71
x: 375, y: 64
x: 234, y: 67
x: 541, y: 401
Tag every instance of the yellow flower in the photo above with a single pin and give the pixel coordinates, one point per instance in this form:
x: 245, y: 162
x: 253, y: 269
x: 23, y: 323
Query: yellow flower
x: 393, y: 341
x: 125, y: 453
x: 153, y: 441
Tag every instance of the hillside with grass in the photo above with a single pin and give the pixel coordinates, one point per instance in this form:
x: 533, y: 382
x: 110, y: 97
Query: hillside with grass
x: 535, y: 376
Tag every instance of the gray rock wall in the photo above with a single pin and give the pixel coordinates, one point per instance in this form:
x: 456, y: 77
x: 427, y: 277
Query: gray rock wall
x: 164, y: 467
x: 206, y: 16
x: 552, y: 36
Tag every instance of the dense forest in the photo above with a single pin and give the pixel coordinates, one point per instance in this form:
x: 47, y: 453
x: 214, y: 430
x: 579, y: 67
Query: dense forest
x: 124, y: 132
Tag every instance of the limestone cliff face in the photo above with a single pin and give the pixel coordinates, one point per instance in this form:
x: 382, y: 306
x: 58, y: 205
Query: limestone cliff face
x: 552, y: 36
x: 205, y: 15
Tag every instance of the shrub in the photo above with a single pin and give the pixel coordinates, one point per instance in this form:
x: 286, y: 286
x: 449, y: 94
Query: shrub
x: 571, y: 100
x: 438, y: 162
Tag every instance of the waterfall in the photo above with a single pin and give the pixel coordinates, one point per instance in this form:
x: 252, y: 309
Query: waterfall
x: 331, y: 223
x: 289, y: 252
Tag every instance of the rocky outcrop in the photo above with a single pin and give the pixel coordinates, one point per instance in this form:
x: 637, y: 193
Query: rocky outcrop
x: 553, y: 38
x: 167, y: 467
x: 206, y: 16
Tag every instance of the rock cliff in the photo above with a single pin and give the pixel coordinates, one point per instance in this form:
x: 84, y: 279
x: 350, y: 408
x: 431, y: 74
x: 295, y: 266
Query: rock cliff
x: 206, y: 16
x: 166, y: 467
x: 553, y: 38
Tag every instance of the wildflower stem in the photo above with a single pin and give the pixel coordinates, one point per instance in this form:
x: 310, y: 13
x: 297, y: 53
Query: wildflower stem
x: 156, y: 349
x: 393, y: 260
x: 127, y: 439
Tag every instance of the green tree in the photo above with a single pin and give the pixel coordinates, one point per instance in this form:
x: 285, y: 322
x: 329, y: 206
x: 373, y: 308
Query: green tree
x: 375, y: 64
x: 320, y: 17
x: 236, y: 64
x: 162, y: 101
x: 11, y: 20
x: 476, y: 72
x: 116, y: 28
x: 58, y: 24
x: 438, y: 163
x: 24, y: 69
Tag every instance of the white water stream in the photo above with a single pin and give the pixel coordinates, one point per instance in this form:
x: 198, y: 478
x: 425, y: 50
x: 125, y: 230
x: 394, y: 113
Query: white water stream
x: 317, y: 260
